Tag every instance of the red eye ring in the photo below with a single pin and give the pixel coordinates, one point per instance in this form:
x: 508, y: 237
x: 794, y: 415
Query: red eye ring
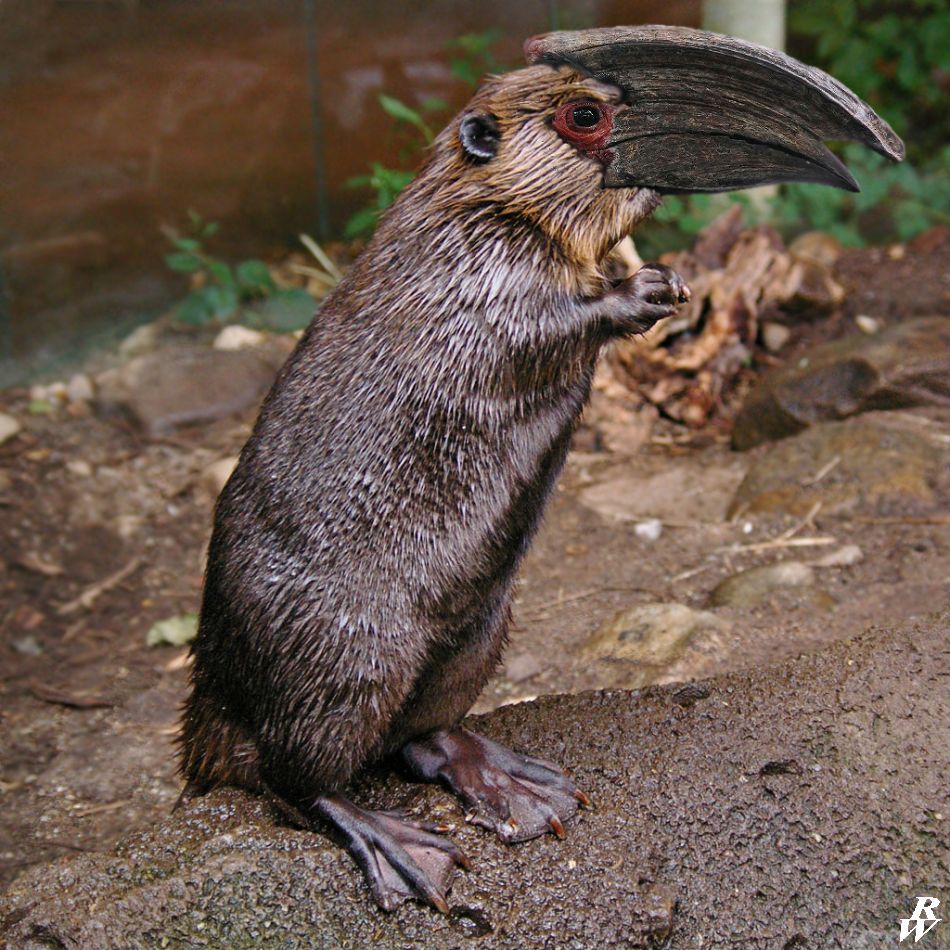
x: 584, y: 123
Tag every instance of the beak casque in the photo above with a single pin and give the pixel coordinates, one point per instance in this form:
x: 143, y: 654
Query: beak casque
x: 711, y: 113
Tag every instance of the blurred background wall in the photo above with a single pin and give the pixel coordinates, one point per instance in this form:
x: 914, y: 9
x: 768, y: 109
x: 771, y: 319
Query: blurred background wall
x: 118, y: 116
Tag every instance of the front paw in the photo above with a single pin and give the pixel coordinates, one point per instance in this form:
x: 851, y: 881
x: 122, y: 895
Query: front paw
x: 654, y: 292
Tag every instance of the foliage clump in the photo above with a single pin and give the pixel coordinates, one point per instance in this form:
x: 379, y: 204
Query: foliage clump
x: 222, y: 293
x: 894, y: 55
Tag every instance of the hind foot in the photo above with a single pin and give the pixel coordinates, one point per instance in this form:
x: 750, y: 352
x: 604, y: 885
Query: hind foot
x: 400, y: 859
x: 515, y: 796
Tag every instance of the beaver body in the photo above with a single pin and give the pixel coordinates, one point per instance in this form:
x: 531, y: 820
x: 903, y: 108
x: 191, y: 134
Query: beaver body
x: 364, y: 550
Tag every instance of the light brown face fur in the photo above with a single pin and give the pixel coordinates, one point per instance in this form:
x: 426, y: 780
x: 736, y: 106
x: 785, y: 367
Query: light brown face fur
x: 535, y: 174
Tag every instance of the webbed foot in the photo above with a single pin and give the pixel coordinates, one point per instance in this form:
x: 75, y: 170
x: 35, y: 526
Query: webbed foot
x: 516, y: 796
x: 400, y: 859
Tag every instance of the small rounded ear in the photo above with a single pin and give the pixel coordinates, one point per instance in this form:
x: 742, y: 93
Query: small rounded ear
x: 479, y: 135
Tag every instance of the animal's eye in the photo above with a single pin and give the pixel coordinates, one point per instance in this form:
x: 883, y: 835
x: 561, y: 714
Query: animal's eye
x: 586, y: 116
x: 584, y: 123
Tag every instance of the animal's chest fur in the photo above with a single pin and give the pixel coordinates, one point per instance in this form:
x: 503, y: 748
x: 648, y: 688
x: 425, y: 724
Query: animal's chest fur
x: 489, y: 514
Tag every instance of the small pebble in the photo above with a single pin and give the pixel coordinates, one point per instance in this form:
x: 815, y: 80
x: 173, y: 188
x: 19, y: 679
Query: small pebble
x: 775, y: 336
x: 54, y: 393
x: 649, y: 530
x: 142, y: 340
x: 79, y: 467
x: 80, y: 389
x: 28, y: 646
x: 236, y: 337
x: 9, y: 427
x: 867, y: 324
x: 846, y: 556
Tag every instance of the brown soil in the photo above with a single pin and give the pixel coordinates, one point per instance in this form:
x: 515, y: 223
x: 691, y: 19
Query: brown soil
x: 87, y: 710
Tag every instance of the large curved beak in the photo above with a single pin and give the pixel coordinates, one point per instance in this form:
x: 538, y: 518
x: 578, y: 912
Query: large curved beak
x: 711, y: 113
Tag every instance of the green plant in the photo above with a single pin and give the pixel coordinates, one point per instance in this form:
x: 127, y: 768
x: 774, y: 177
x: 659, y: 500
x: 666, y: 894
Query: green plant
x: 895, y: 201
x: 896, y: 55
x: 473, y: 58
x: 221, y: 293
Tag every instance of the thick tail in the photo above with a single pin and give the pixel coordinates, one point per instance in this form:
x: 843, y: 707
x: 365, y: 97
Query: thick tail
x: 214, y: 750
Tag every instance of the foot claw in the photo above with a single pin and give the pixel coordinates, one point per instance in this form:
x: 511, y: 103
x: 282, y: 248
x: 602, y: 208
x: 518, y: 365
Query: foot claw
x: 400, y: 859
x: 516, y: 796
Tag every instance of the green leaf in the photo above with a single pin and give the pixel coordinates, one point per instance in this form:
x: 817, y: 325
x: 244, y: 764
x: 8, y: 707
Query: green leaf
x: 195, y: 310
x: 183, y: 262
x: 363, y: 222
x: 221, y: 273
x: 187, y: 244
x: 222, y: 301
x: 403, y: 113
x: 464, y: 70
x: 254, y: 277
x: 175, y: 631
x: 283, y: 312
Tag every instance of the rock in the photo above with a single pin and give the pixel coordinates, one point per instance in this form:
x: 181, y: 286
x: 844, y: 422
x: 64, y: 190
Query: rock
x: 905, y: 365
x: 846, y: 556
x: 676, y: 493
x: 53, y: 393
x: 183, y: 386
x: 866, y: 324
x: 816, y: 246
x: 214, y: 477
x: 237, y: 337
x: 521, y: 667
x: 141, y: 340
x: 757, y: 584
x: 713, y: 803
x: 811, y: 291
x: 652, y: 634
x: 28, y: 646
x: 775, y: 335
x: 863, y: 462
x: 79, y: 467
x: 9, y: 427
x: 649, y: 530
x: 80, y: 389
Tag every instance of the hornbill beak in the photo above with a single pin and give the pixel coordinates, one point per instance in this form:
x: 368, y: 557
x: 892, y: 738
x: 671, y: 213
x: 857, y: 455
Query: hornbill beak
x: 707, y: 113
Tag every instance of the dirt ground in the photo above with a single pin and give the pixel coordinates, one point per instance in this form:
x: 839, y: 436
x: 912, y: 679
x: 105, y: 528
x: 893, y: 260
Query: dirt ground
x: 104, y: 534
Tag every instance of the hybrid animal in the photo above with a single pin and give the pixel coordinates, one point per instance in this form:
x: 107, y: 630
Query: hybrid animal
x: 361, y: 566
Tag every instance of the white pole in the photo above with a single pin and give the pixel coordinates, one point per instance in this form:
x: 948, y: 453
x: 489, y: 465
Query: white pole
x: 760, y: 21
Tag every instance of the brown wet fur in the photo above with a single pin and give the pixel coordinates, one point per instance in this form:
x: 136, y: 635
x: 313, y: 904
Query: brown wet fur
x: 360, y: 569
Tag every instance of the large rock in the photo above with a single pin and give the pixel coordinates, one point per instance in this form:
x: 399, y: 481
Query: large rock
x: 876, y: 460
x: 182, y: 386
x: 642, y: 644
x: 803, y: 806
x: 905, y: 365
